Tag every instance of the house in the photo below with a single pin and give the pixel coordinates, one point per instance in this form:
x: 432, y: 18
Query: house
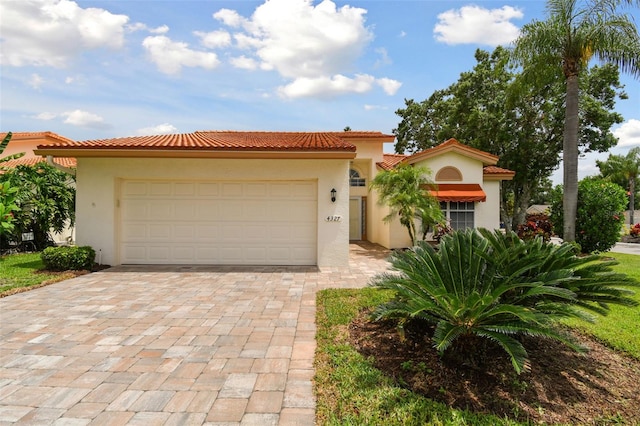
x: 27, y: 142
x: 468, y: 187
x: 256, y: 198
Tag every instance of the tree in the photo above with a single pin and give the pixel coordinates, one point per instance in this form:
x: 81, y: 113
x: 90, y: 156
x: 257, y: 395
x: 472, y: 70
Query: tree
x: 7, y: 193
x: 403, y: 189
x: 45, y: 200
x: 492, y: 109
x: 625, y: 171
x: 599, y: 217
x: 572, y: 35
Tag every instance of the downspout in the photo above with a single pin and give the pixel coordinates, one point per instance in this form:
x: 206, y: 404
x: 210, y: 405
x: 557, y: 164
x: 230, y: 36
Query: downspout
x: 60, y: 167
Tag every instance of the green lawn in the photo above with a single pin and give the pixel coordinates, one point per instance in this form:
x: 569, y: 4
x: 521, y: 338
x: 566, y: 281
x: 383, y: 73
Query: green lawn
x: 620, y: 329
x: 350, y: 391
x: 21, y: 271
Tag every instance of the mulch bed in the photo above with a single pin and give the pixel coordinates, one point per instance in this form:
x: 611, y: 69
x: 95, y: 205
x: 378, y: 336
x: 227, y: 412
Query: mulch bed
x: 562, y: 386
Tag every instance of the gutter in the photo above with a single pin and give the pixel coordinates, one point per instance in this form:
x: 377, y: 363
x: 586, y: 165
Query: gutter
x: 60, y: 166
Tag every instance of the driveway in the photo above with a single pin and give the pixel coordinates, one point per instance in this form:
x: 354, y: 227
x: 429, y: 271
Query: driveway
x: 169, y: 345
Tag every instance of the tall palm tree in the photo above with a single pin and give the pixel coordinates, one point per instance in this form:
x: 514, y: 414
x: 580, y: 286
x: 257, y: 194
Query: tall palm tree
x: 575, y: 32
x: 625, y: 169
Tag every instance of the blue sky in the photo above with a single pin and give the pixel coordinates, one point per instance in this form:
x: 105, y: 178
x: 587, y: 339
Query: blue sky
x: 103, y: 69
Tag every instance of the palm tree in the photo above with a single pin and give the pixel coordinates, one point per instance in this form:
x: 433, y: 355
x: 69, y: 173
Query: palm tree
x: 574, y: 32
x: 403, y: 190
x: 623, y: 169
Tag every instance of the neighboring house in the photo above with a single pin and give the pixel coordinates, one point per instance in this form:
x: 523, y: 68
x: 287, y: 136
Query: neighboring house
x: 27, y: 142
x: 468, y: 187
x: 255, y: 198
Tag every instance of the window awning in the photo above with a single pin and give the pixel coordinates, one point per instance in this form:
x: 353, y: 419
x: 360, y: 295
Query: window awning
x: 459, y: 192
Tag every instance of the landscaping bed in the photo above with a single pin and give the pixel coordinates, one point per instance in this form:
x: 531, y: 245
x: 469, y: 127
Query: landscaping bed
x: 562, y: 386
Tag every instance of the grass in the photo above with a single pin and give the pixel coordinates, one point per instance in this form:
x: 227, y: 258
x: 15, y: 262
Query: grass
x: 350, y: 391
x: 620, y: 329
x: 20, y: 272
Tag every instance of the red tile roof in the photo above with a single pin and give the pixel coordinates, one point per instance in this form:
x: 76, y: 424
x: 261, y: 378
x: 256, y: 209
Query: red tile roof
x: 35, y: 135
x: 390, y: 161
x: 230, y: 141
x: 495, y: 170
x: 453, y: 145
x: 32, y: 161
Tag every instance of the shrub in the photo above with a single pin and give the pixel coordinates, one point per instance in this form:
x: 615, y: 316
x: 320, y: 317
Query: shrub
x: 536, y: 225
x: 600, y: 215
x: 487, y: 286
x: 635, y: 230
x: 66, y: 258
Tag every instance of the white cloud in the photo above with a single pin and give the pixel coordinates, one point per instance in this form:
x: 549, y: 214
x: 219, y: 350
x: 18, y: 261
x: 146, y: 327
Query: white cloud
x: 139, y: 26
x: 46, y: 116
x: 384, y: 57
x: 314, y: 47
x: 160, y: 129
x: 402, y: 34
x: 389, y: 86
x: 51, y: 32
x: 368, y: 107
x: 35, y: 81
x: 244, y: 63
x: 628, y: 133
x: 214, y: 39
x: 476, y: 25
x: 171, y: 56
x: 326, y: 87
x: 69, y: 80
x: 84, y: 119
x: 229, y: 17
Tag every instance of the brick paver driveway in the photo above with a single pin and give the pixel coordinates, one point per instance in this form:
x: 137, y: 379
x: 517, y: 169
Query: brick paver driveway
x: 162, y: 345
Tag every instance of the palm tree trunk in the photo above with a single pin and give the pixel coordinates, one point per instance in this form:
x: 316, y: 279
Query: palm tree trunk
x: 570, y: 160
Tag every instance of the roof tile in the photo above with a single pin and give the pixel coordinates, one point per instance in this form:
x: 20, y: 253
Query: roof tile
x: 232, y: 141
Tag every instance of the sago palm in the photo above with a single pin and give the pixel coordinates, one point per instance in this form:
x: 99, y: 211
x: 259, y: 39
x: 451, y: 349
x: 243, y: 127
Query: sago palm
x: 484, y: 285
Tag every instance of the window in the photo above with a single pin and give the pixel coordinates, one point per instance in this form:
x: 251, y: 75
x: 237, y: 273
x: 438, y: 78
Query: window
x: 459, y: 213
x: 355, y: 179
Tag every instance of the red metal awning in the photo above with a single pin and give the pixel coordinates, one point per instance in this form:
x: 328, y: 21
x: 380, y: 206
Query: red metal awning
x: 459, y: 192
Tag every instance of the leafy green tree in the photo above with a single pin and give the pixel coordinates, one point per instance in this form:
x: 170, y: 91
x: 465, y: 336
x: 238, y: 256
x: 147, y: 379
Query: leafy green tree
x: 573, y: 33
x: 492, y: 109
x: 599, y: 217
x: 45, y: 200
x: 625, y: 171
x: 488, y: 286
x: 7, y: 193
x: 403, y: 189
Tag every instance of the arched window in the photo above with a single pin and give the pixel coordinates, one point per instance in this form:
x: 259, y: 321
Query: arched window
x: 355, y: 179
x: 448, y: 173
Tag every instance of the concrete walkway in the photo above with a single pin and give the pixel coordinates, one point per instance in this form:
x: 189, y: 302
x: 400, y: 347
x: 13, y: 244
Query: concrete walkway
x: 169, y: 345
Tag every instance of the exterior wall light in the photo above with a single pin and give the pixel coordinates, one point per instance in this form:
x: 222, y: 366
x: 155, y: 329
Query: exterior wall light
x: 333, y: 195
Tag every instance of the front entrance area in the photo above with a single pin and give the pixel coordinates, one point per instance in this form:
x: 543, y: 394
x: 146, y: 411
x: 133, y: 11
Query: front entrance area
x: 218, y: 222
x: 357, y: 218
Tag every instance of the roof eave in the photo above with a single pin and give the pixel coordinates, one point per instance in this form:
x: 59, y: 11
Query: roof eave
x: 193, y: 153
x: 499, y: 176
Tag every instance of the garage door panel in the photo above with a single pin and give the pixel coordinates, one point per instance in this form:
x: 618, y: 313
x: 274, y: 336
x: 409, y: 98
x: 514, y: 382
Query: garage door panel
x: 184, y: 189
x: 161, y: 188
x: 159, y: 231
x: 184, y: 222
x: 208, y: 189
x: 134, y: 188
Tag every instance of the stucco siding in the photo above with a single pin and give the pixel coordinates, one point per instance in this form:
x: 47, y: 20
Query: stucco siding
x: 98, y: 191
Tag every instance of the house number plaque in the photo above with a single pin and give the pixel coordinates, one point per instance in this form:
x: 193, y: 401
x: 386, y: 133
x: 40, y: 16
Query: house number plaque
x: 333, y: 218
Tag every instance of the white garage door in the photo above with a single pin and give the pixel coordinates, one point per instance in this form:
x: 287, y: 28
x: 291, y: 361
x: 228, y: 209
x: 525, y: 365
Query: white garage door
x: 224, y: 223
